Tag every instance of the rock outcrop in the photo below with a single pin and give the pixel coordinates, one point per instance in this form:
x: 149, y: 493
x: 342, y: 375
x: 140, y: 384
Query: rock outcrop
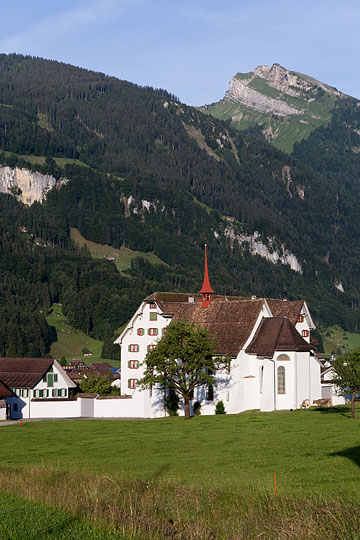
x: 26, y: 185
x: 284, y: 81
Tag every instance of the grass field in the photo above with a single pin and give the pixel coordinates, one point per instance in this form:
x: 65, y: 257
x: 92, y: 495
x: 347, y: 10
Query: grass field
x: 70, y: 340
x: 123, y: 256
x: 336, y: 339
x: 207, y: 478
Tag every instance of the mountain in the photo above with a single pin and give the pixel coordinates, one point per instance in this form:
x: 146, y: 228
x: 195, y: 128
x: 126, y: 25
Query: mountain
x: 286, y: 105
x: 132, y: 167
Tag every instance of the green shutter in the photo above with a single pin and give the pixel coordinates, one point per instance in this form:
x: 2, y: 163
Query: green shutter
x: 128, y: 363
x: 50, y: 379
x: 55, y: 377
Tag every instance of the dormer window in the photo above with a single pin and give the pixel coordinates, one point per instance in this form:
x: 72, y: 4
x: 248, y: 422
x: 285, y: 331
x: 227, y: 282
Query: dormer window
x: 305, y: 333
x: 300, y: 319
x: 152, y: 305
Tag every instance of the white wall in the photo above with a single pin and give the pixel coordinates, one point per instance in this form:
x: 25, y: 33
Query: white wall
x: 57, y: 408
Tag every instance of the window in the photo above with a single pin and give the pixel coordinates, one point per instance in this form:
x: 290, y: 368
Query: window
x: 261, y: 378
x: 153, y: 316
x: 133, y: 348
x: 305, y: 333
x: 151, y: 347
x: 132, y: 383
x: 41, y: 393
x: 55, y: 377
x: 50, y: 379
x: 133, y: 364
x: 141, y: 332
x: 283, y: 358
x: 210, y: 393
x: 152, y: 305
x: 163, y: 331
x: 53, y: 392
x: 15, y: 407
x: 300, y: 318
x: 153, y: 331
x: 281, y: 379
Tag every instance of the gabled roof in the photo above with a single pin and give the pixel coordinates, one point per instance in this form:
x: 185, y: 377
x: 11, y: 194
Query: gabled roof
x: 23, y: 372
x: 276, y: 334
x: 5, y: 391
x: 286, y: 308
x: 231, y: 322
x: 100, y: 365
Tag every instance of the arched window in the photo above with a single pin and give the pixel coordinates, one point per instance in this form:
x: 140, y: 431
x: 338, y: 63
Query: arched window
x: 281, y: 380
x: 283, y: 357
x: 261, y: 378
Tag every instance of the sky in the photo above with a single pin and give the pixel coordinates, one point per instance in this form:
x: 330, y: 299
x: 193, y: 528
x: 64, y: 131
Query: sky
x: 190, y: 47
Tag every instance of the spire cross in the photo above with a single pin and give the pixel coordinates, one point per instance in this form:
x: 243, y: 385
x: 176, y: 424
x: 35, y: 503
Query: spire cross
x: 206, y: 289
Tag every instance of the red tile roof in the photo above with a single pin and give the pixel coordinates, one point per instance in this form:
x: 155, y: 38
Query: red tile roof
x: 4, y: 390
x: 230, y: 319
x: 276, y: 334
x: 23, y: 372
x: 231, y: 322
x: 286, y: 308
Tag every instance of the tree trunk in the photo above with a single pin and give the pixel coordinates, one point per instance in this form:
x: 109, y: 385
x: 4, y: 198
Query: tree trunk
x: 187, y: 406
x: 353, y: 405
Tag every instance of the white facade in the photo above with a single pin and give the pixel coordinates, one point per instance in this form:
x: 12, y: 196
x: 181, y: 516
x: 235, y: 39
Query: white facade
x: 330, y: 391
x: 54, y: 384
x: 252, y: 383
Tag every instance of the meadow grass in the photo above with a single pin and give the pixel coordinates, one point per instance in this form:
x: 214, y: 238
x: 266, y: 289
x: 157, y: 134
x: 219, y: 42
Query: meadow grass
x: 207, y: 478
x: 123, y: 256
x: 71, y: 341
x: 24, y: 520
x: 336, y: 338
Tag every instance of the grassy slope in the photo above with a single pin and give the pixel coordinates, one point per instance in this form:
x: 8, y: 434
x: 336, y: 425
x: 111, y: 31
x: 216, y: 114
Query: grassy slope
x: 71, y: 341
x: 336, y: 338
x: 123, y: 256
x: 40, y: 160
x: 287, y: 130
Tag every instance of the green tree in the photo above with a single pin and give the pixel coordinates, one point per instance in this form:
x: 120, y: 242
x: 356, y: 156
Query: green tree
x: 97, y: 385
x: 347, y: 377
x: 183, y: 360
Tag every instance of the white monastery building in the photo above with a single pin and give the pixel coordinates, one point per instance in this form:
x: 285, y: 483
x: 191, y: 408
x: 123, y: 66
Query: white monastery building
x: 273, y: 365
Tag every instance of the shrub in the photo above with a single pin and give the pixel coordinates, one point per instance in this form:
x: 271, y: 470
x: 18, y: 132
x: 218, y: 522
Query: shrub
x: 220, y: 408
x: 172, y: 404
x: 197, y: 408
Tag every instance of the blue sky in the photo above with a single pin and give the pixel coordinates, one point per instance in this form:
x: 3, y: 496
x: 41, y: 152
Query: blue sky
x: 190, y: 47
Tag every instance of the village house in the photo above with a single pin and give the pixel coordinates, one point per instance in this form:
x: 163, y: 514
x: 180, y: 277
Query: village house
x: 273, y: 365
x: 5, y: 392
x: 32, y: 379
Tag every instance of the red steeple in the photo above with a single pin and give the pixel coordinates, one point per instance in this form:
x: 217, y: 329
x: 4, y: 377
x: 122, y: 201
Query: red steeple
x: 206, y: 289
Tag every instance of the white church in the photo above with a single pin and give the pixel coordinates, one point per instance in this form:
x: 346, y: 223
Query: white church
x: 273, y: 365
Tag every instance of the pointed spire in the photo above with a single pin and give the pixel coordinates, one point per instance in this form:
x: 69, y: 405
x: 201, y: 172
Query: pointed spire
x: 206, y: 289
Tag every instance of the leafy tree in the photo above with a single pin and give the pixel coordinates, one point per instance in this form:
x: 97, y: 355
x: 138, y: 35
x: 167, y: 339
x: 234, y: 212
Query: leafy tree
x: 184, y: 359
x: 97, y: 385
x: 347, y: 377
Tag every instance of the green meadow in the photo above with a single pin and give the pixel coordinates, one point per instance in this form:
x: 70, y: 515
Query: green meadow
x: 209, y: 477
x: 70, y: 341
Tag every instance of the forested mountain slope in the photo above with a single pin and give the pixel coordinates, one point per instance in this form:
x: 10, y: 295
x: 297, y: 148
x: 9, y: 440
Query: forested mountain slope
x: 160, y: 176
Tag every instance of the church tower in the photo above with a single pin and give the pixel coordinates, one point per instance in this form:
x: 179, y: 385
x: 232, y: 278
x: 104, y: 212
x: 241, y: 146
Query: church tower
x: 206, y: 289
